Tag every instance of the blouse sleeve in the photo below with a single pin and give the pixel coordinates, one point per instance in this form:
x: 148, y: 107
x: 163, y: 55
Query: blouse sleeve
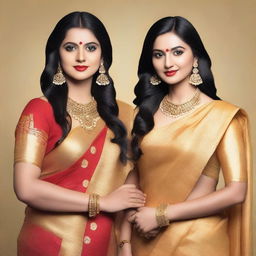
x: 232, y: 151
x: 31, y: 133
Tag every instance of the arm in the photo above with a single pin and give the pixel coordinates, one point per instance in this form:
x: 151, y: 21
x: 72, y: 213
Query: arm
x: 47, y: 196
x: 126, y: 228
x: 232, y: 157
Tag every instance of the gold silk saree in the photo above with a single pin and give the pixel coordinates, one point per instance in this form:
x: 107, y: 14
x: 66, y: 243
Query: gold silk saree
x: 174, y: 157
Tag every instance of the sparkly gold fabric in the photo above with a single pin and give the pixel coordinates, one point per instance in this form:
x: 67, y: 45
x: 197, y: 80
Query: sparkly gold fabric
x: 27, y: 134
x: 174, y: 157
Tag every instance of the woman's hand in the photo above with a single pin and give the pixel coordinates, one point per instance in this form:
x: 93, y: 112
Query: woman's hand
x: 145, y: 221
x: 124, y: 197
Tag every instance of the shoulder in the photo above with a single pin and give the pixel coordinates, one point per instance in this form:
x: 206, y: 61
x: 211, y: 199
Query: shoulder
x: 39, y: 110
x: 126, y: 112
x: 123, y: 106
x: 125, y: 109
x: 225, y: 106
x: 38, y: 106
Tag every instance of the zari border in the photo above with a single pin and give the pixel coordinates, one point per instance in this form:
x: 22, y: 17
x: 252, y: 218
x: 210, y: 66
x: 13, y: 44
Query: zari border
x: 30, y: 142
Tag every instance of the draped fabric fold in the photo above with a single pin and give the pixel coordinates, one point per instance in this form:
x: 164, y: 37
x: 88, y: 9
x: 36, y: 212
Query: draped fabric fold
x: 174, y: 157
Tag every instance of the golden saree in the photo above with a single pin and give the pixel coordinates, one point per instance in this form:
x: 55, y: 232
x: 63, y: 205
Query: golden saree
x: 86, y: 161
x: 174, y: 157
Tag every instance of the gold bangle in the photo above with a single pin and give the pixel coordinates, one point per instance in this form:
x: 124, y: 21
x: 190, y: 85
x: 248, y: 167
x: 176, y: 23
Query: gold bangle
x: 93, y: 205
x: 123, y: 242
x: 161, y: 217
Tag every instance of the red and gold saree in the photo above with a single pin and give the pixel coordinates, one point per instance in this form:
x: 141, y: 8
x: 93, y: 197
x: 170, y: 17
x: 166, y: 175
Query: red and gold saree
x: 85, y: 161
x: 174, y: 157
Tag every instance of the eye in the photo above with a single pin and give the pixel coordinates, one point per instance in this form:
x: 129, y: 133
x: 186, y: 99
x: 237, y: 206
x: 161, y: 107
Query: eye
x: 91, y: 47
x: 178, y: 52
x: 70, y: 47
x: 157, y: 55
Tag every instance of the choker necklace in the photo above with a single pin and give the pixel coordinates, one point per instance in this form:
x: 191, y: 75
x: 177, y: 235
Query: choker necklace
x: 86, y: 114
x: 172, y: 110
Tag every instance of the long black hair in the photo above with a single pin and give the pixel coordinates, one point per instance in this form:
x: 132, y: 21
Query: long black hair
x: 148, y: 97
x: 105, y: 96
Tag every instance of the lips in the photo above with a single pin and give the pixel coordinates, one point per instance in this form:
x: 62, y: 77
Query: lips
x: 170, y: 73
x: 80, y: 68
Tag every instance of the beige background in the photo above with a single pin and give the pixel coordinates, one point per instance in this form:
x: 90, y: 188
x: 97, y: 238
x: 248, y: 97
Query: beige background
x: 227, y: 29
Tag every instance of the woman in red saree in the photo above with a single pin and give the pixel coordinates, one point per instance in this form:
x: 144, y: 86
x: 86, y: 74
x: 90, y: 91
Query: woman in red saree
x: 183, y: 135
x: 71, y: 147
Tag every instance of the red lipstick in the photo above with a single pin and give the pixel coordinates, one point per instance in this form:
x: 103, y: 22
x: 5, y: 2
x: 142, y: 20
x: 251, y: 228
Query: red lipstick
x: 170, y: 73
x: 80, y: 68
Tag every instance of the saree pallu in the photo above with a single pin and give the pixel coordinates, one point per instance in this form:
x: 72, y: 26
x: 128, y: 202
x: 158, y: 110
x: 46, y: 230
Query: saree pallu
x: 86, y: 161
x: 174, y: 157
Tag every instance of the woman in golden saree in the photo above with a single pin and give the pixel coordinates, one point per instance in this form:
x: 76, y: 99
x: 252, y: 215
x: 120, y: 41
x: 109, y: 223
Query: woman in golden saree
x: 71, y: 147
x: 183, y: 134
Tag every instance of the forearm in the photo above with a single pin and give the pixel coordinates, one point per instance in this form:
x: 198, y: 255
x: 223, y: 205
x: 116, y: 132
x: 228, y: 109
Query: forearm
x: 209, y: 204
x: 44, y: 195
x: 126, y: 228
x: 47, y: 196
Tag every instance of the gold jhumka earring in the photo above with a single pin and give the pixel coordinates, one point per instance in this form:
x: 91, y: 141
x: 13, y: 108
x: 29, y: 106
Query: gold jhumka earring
x: 195, y: 78
x: 59, y: 78
x: 154, y: 80
x: 102, y: 78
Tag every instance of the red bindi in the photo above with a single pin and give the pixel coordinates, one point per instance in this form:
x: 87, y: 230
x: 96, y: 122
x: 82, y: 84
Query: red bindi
x: 80, y: 42
x: 167, y: 50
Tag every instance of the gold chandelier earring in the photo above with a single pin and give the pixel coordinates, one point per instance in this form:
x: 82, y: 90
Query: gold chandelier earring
x: 59, y: 78
x: 155, y: 80
x: 102, y: 78
x: 195, y: 78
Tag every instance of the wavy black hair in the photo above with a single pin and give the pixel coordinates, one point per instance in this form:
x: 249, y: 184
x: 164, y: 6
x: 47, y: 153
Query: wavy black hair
x: 148, y: 97
x: 105, y: 96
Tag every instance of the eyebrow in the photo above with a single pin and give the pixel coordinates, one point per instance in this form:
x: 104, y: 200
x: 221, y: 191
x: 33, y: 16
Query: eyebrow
x: 77, y: 44
x: 174, y: 48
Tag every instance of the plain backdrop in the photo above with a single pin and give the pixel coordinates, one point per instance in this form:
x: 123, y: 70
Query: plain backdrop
x: 227, y: 29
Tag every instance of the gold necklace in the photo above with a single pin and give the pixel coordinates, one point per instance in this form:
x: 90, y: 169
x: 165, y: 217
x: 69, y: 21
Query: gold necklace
x: 172, y: 110
x: 86, y: 114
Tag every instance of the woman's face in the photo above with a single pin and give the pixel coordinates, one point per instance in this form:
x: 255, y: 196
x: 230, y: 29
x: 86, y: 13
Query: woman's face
x: 80, y: 54
x: 172, y: 58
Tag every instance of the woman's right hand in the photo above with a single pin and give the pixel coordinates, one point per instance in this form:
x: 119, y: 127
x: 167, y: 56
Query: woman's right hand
x: 124, y: 197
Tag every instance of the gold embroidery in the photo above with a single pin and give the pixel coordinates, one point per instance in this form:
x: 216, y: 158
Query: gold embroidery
x: 84, y: 163
x: 93, y: 226
x: 30, y: 142
x: 93, y: 150
x: 85, y: 183
x: 87, y: 240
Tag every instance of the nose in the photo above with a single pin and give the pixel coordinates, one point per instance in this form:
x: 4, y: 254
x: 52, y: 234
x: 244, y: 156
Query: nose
x: 81, y: 55
x: 168, y: 61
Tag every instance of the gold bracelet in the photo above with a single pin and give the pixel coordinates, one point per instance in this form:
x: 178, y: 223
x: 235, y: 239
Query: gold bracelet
x: 121, y: 244
x: 93, y: 205
x: 161, y: 217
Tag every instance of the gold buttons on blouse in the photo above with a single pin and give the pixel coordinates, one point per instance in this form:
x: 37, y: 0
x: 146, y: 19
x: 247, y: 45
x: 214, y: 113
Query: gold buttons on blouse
x: 87, y: 239
x: 93, y: 226
x: 93, y: 150
x: 84, y: 163
x: 85, y: 183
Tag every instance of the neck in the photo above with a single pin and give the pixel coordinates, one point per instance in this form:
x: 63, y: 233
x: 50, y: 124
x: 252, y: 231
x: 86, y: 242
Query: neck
x: 181, y: 92
x: 80, y: 91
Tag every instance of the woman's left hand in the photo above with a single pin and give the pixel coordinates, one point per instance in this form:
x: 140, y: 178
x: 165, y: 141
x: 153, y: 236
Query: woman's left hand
x: 144, y: 220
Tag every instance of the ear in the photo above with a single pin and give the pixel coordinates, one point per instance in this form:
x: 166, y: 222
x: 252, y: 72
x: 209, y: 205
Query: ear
x: 195, y: 61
